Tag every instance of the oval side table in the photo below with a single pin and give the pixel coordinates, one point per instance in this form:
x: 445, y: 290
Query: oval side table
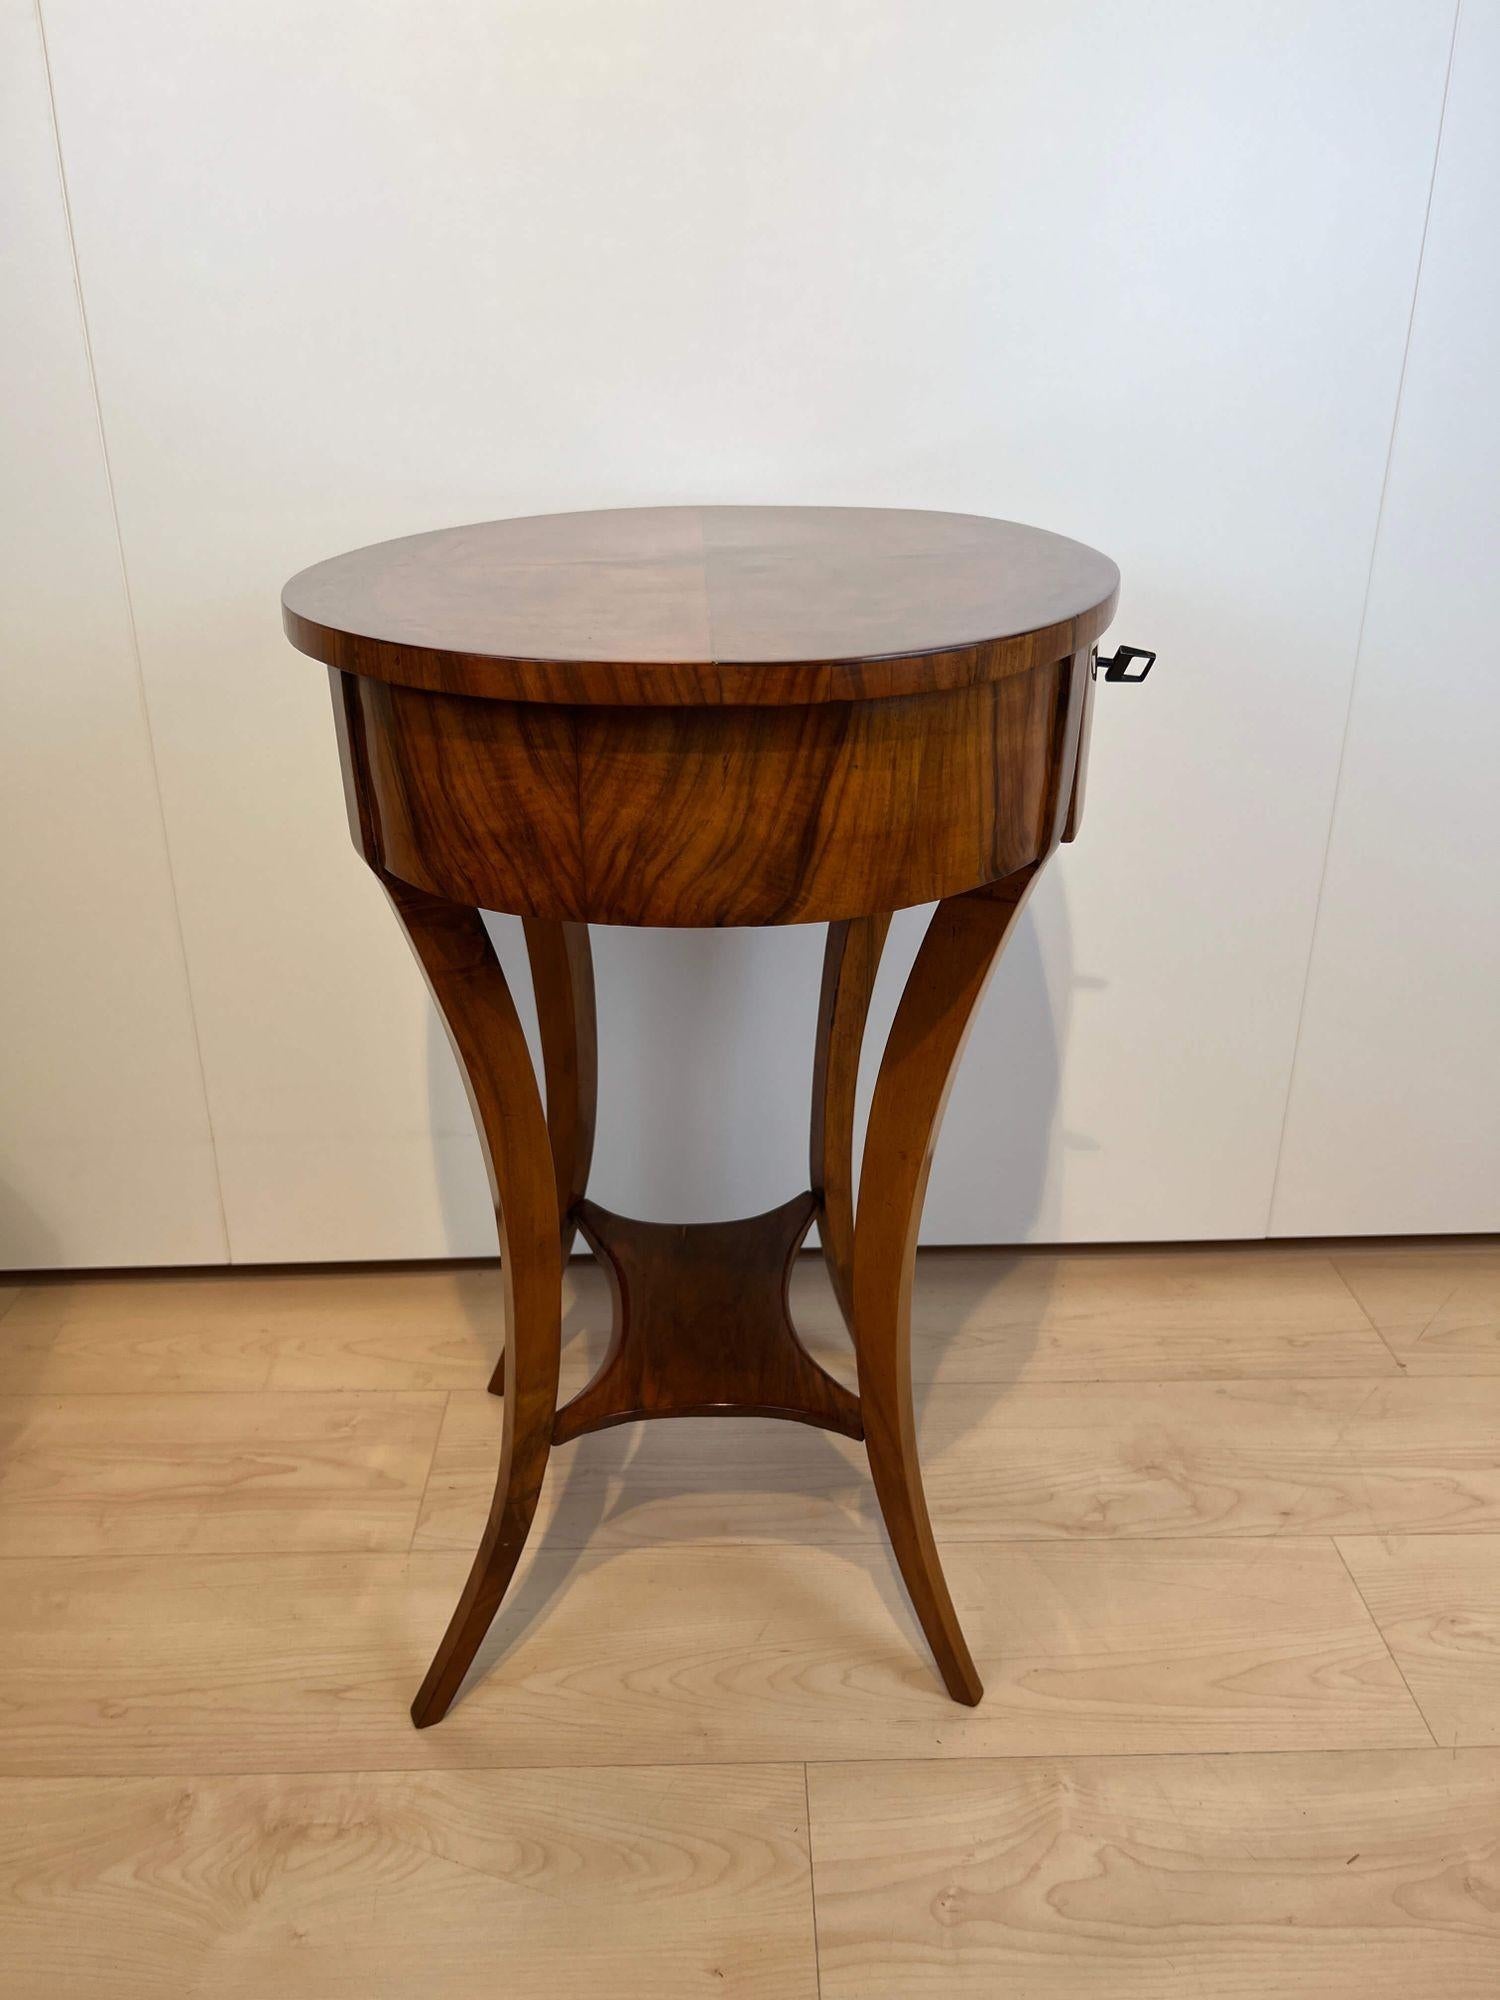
x: 703, y: 716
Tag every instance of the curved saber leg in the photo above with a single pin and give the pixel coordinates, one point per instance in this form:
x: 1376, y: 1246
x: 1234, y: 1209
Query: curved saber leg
x: 562, y: 977
x: 851, y: 959
x: 454, y: 951
x: 949, y: 975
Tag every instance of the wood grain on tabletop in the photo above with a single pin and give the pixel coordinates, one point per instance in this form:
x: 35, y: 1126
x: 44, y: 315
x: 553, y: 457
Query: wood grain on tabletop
x: 704, y: 605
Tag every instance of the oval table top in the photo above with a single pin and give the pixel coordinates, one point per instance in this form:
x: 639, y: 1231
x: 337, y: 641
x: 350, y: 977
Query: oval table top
x: 668, y: 606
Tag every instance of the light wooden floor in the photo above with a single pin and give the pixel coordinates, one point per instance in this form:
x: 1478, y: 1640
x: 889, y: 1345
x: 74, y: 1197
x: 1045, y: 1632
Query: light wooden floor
x: 1224, y: 1528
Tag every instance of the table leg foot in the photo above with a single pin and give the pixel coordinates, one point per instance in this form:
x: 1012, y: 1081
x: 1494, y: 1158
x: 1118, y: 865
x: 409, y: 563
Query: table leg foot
x: 943, y: 990
x: 516, y: 1492
x: 454, y: 951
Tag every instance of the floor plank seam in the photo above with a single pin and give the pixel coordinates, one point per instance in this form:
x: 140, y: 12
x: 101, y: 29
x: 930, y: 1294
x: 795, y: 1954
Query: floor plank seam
x: 1364, y: 1315
x: 1045, y: 1758
x: 846, y: 1545
x: 812, y: 1881
x: 607, y: 1553
x: 1390, y: 1649
x: 437, y: 1439
x: 919, y: 1383
x: 451, y: 1771
x: 759, y: 1761
x: 1350, y: 1378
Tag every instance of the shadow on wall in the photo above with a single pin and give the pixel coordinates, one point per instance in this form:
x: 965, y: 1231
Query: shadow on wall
x: 705, y: 1067
x: 995, y: 1179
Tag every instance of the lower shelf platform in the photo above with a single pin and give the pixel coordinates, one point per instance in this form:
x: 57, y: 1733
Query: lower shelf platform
x: 702, y: 1326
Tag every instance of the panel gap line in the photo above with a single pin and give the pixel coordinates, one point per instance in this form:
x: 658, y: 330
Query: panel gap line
x: 1364, y: 613
x: 437, y: 1440
x: 753, y: 1762
x: 1390, y: 1649
x: 812, y: 1880
x: 133, y: 628
x: 1364, y: 1314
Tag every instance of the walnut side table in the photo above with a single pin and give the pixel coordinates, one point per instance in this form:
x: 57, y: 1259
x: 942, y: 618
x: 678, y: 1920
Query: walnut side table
x: 702, y: 716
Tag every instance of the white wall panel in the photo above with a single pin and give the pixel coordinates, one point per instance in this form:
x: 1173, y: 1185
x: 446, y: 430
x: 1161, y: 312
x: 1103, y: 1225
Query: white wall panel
x: 1394, y: 1121
x: 1139, y: 274
x: 105, y: 1155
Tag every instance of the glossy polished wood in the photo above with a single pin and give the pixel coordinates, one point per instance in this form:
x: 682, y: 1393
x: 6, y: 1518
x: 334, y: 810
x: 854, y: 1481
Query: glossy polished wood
x: 454, y: 951
x: 706, y: 717
x: 686, y: 606
x: 644, y: 815
x: 947, y: 979
x: 702, y: 1326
